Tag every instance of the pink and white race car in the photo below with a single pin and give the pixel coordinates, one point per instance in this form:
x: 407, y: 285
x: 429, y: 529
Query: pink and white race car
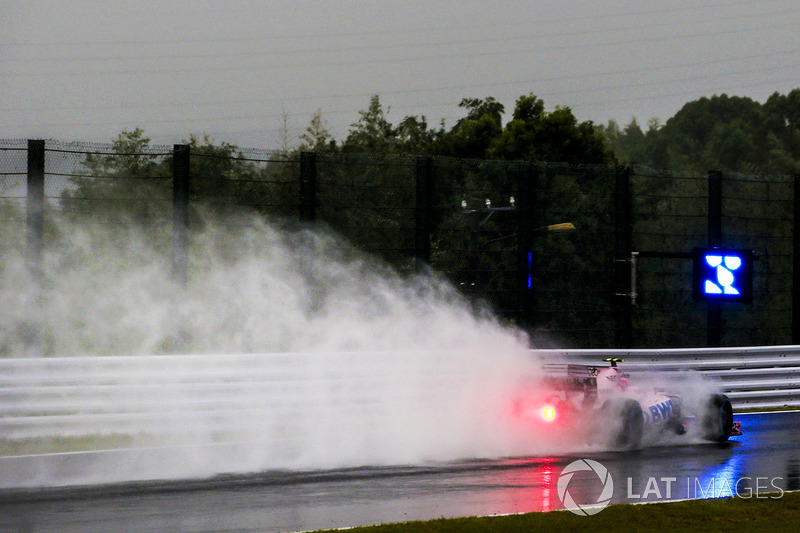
x: 601, y: 404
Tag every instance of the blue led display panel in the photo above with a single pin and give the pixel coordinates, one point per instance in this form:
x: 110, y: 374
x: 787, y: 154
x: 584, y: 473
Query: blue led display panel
x: 724, y: 274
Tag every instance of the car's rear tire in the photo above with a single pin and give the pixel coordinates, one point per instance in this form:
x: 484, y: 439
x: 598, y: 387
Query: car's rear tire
x: 629, y: 423
x: 716, y: 418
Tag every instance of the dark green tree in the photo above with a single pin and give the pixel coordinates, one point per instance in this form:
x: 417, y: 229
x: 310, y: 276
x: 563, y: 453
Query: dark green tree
x: 556, y: 136
x: 132, y: 181
x: 316, y: 137
x: 783, y: 116
x: 415, y: 137
x: 372, y: 132
x: 472, y: 135
x: 130, y: 156
x: 625, y: 143
x: 729, y: 133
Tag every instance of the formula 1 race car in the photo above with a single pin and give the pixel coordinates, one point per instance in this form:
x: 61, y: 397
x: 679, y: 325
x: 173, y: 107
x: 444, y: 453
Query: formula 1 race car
x: 599, y: 403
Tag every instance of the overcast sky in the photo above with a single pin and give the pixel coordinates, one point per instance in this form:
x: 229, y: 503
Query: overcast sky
x: 86, y: 70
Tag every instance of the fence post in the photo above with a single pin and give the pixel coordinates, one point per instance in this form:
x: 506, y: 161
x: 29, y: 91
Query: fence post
x: 34, y: 245
x: 526, y: 214
x: 623, y: 227
x: 422, y: 226
x: 35, y: 208
x: 796, y: 263
x: 714, y: 309
x: 308, y: 186
x: 180, y: 212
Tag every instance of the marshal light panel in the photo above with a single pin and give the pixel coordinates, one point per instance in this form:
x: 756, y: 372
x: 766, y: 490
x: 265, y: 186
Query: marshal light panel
x: 723, y: 274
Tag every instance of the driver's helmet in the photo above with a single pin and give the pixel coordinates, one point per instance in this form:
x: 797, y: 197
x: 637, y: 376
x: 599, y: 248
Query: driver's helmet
x: 611, y: 379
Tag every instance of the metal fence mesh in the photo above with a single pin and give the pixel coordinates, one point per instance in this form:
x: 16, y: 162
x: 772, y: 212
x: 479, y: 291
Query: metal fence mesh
x: 259, y: 180
x: 484, y: 224
x: 98, y: 198
x: 669, y: 213
x: 13, y: 190
x: 474, y: 238
x: 574, y: 300
x: 370, y: 200
x: 758, y: 213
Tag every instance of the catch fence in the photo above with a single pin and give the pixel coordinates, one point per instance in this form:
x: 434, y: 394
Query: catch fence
x: 621, y: 278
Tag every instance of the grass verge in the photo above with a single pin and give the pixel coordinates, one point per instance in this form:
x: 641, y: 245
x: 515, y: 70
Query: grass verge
x: 64, y: 444
x: 769, y: 512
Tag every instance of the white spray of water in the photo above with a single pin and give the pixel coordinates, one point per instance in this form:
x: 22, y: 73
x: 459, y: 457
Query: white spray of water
x: 351, y: 363
x: 376, y: 368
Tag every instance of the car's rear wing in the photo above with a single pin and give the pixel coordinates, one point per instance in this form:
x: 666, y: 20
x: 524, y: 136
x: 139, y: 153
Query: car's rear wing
x: 572, y: 377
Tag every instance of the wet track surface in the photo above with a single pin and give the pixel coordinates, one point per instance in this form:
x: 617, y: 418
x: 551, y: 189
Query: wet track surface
x: 765, y: 459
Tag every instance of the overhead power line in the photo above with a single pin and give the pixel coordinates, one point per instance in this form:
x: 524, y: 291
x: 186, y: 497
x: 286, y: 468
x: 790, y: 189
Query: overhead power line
x: 688, y: 12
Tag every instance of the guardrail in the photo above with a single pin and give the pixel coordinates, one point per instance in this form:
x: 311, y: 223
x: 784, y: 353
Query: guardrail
x: 752, y: 377
x: 247, y: 396
x: 233, y: 393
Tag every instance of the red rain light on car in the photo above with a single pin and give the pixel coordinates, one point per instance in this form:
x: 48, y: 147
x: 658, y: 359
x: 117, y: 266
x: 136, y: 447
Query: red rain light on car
x: 549, y: 413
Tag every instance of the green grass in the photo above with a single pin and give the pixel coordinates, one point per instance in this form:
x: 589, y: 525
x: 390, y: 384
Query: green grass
x: 64, y: 444
x: 729, y: 515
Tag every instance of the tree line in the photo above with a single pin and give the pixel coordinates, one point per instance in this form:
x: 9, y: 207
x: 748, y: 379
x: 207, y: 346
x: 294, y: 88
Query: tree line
x: 721, y: 132
x: 727, y: 133
x: 532, y: 134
